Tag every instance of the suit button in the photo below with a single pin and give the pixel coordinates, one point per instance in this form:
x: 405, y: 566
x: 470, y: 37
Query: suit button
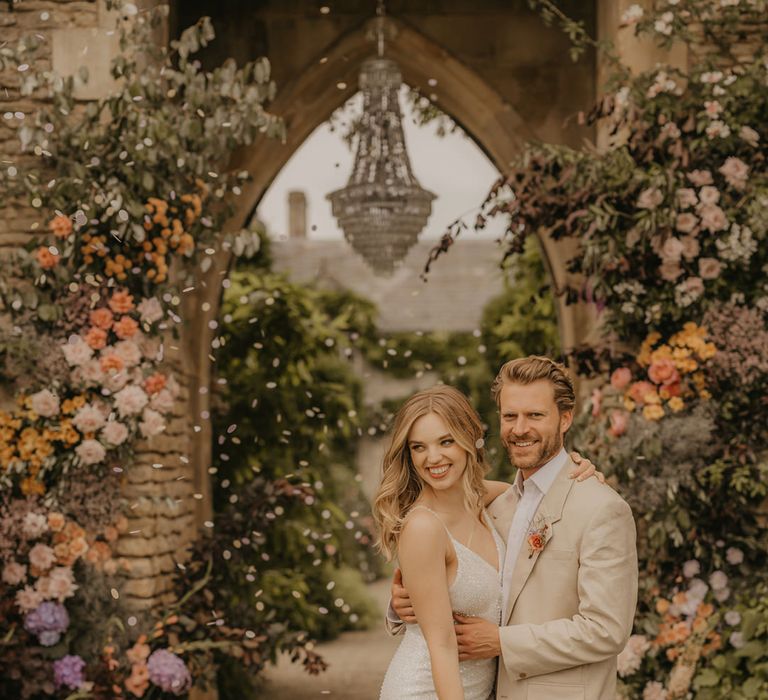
x: 523, y: 675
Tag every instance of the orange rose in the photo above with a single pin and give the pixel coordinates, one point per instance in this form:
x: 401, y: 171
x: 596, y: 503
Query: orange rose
x: 125, y: 328
x: 73, y: 530
x: 102, y: 318
x: 640, y: 391
x: 61, y: 550
x: 663, y: 371
x: 536, y: 542
x: 155, y: 383
x: 78, y: 547
x: 121, y: 302
x: 61, y: 226
x: 96, y: 338
x: 45, y: 258
x: 662, y: 605
x: 111, y: 361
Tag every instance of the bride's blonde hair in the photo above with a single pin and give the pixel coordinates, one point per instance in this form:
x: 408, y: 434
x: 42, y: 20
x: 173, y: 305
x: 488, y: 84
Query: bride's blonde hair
x: 401, y: 485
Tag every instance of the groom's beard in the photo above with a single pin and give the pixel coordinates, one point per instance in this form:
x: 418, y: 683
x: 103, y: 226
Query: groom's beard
x: 538, y: 456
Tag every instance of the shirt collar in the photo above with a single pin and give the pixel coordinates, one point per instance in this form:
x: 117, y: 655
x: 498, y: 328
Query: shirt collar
x: 544, y: 477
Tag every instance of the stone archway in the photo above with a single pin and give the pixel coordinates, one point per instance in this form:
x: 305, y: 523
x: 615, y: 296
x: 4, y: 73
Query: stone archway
x: 304, y: 104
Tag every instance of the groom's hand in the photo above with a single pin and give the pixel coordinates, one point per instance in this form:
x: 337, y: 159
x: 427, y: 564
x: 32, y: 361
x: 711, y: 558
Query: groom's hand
x: 401, y: 603
x: 477, y: 638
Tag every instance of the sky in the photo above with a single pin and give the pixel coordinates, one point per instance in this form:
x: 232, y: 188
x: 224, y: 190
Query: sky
x: 452, y: 167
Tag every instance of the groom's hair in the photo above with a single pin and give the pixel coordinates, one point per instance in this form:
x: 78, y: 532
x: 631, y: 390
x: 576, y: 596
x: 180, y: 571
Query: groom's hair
x: 527, y: 370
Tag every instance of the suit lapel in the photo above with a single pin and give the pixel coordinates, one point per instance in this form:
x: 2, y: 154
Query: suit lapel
x: 549, y: 512
x: 502, y: 511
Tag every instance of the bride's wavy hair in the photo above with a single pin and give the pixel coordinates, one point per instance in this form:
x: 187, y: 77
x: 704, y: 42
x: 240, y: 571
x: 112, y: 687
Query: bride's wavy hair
x: 401, y: 485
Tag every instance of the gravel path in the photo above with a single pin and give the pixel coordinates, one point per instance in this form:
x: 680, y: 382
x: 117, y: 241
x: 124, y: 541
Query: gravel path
x: 358, y: 661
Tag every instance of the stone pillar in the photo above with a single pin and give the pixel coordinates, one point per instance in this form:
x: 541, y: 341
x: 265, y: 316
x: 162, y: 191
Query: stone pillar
x: 297, y: 215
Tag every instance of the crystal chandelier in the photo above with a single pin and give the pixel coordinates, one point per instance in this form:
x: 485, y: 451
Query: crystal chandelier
x: 383, y: 209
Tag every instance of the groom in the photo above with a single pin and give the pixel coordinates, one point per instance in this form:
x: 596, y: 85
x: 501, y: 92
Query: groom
x: 570, y: 574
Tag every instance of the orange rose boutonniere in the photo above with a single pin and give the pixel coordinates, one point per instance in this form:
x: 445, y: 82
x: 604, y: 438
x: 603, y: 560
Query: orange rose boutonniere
x: 537, y: 538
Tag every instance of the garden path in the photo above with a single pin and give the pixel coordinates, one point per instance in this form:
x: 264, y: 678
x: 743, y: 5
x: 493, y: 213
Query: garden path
x: 357, y: 663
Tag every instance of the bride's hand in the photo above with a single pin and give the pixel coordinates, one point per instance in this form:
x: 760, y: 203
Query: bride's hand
x: 585, y: 469
x: 401, y: 603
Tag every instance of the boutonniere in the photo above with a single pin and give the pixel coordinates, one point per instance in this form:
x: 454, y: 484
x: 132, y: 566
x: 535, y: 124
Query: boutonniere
x: 538, y: 536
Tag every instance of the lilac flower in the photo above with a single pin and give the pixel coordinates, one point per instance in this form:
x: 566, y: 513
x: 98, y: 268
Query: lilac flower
x: 68, y: 671
x: 169, y: 672
x: 48, y: 621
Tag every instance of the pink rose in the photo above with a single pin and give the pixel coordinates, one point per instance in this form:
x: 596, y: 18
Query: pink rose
x: 750, y: 136
x: 709, y: 268
x: 620, y: 378
x: 691, y: 247
x: 709, y: 195
x: 686, y: 222
x: 162, y: 401
x: 693, y: 287
x: 650, y: 198
x: 150, y: 310
x: 61, y: 583
x: 713, y: 218
x: 640, y: 390
x: 45, y: 403
x: 88, y: 419
x: 597, y: 401
x: 115, y: 433
x: 91, y: 372
x: 699, y: 178
x: 152, y: 423
x: 663, y: 372
x: 686, y: 197
x: 35, y: 524
x: 670, y: 270
x: 735, y: 171
x: 618, y: 420
x: 76, y: 351
x: 712, y: 108
x: 130, y: 400
x: 128, y: 351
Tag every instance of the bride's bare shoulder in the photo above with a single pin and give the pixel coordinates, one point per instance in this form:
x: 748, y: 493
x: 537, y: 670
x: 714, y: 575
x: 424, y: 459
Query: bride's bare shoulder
x: 494, y: 489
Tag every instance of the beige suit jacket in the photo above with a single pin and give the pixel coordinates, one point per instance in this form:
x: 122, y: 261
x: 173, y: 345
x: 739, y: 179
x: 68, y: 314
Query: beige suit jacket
x: 571, y: 605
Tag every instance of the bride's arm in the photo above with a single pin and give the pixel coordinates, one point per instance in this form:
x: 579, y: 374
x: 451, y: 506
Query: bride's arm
x: 421, y: 551
x: 493, y: 489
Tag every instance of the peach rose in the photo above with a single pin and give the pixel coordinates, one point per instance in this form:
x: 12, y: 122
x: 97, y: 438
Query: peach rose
x: 78, y: 547
x: 112, y: 361
x: 620, y: 378
x: 138, y: 682
x: 125, y: 328
x: 670, y: 270
x: 618, y: 422
x: 640, y: 391
x: 45, y: 258
x: 155, y: 383
x: 56, y: 521
x: 709, y: 268
x: 663, y: 371
x: 63, y: 555
x: 536, y: 542
x: 686, y: 197
x: 61, y: 226
x: 686, y: 222
x: 102, y: 318
x: 121, y: 302
x: 96, y: 338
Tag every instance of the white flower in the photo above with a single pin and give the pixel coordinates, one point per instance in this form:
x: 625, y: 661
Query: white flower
x: 76, y: 351
x: 654, y: 691
x: 150, y: 310
x: 115, y: 433
x: 711, y: 77
x: 41, y: 556
x: 718, y: 580
x: 128, y: 351
x: 722, y: 595
x: 697, y: 589
x: 45, y: 403
x: 632, y: 15
x: 712, y: 108
x: 691, y: 568
x: 735, y: 171
x: 650, y: 198
x: 750, y: 136
x: 734, y: 556
x: 152, y: 423
x: 718, y: 128
x: 738, y: 246
x: 35, y: 524
x: 88, y: 419
x: 14, y: 573
x: 28, y: 599
x: 162, y: 401
x: 688, y: 291
x: 733, y: 618
x: 736, y: 639
x: 91, y: 452
x: 629, y: 660
x: 130, y: 400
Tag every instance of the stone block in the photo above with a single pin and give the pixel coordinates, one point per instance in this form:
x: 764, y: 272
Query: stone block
x: 93, y: 49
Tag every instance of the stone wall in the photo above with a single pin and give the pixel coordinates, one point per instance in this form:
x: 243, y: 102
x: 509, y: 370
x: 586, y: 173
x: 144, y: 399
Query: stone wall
x: 159, y: 482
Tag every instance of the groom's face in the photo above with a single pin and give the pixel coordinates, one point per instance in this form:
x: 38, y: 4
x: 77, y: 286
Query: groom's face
x: 532, y: 427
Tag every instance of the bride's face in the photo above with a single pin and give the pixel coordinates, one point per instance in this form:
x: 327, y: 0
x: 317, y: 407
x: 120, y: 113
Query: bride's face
x: 439, y: 460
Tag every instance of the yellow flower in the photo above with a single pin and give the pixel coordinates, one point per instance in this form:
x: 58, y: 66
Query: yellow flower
x: 676, y: 404
x: 705, y: 395
x: 707, y: 351
x: 629, y: 404
x: 653, y: 412
x: 31, y: 486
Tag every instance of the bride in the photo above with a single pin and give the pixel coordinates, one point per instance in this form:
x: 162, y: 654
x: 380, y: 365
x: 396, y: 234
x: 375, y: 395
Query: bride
x: 430, y: 513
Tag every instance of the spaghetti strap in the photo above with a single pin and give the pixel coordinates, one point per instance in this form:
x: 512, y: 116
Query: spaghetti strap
x: 429, y: 510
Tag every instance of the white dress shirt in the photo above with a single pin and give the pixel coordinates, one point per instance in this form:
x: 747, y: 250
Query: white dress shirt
x: 530, y: 492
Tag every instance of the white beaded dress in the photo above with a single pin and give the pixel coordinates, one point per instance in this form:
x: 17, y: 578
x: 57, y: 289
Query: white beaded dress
x: 475, y: 591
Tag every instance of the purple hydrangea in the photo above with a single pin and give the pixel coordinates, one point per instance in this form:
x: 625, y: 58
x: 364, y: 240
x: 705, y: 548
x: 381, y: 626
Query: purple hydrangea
x: 68, y: 671
x: 48, y: 621
x: 169, y: 672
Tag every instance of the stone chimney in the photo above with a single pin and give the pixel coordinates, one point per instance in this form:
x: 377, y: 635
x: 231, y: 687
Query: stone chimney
x: 297, y: 214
